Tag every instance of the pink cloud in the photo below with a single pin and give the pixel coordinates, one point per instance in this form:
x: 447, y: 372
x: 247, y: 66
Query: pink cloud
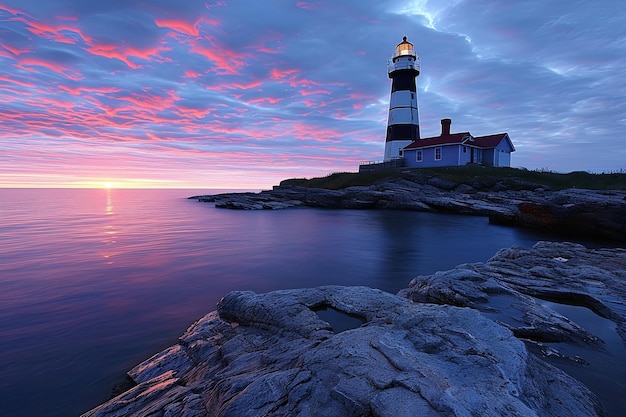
x: 18, y: 82
x: 304, y: 131
x: 234, y: 86
x: 184, y: 27
x: 47, y: 31
x: 67, y: 34
x: 226, y: 61
x: 303, y: 83
x: 179, y: 26
x: 30, y: 61
x: 10, y: 9
x: 269, y: 50
x: 192, y: 74
x: 355, y: 96
x: 125, y: 53
x: 89, y: 90
x: 291, y: 77
x: 312, y: 92
x: 263, y: 100
x: 361, y: 100
x: 15, y: 51
x: 277, y: 74
x: 250, y: 85
x: 150, y: 101
x: 196, y: 113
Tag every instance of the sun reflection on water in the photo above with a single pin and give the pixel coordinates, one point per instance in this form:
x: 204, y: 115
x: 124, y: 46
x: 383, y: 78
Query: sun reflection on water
x: 109, y: 206
x: 109, y: 230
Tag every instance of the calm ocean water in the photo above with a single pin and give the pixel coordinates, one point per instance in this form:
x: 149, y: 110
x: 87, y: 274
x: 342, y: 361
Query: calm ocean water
x: 94, y: 281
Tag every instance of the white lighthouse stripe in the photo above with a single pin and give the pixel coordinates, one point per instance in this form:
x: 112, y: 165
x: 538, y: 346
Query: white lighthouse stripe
x: 403, y: 116
x: 401, y: 63
x: 403, y: 99
x: 392, y: 149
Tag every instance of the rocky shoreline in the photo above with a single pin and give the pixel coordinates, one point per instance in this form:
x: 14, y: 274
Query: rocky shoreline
x: 575, y: 212
x: 470, y: 341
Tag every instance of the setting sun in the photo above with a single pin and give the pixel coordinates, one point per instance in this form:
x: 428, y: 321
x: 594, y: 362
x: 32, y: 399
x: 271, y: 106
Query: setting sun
x: 108, y: 185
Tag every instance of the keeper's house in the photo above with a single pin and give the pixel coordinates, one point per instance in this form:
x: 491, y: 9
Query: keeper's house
x: 458, y: 149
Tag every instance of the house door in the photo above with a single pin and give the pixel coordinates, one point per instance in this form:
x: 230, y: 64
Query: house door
x: 471, y: 155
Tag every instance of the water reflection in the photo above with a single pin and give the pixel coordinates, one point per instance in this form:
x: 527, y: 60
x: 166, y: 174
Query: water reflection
x: 110, y: 231
x: 601, y: 373
x: 109, y: 206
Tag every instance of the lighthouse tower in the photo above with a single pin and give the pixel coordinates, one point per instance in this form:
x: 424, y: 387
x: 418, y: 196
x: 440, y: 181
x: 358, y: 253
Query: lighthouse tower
x: 403, y: 125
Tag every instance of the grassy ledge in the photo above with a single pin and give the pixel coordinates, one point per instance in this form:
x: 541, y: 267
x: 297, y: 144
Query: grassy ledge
x: 467, y: 174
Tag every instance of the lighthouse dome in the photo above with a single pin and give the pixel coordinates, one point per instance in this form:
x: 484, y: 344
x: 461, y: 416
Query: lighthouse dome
x: 404, y: 48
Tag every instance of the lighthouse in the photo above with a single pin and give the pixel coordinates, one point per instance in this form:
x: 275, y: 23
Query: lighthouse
x: 403, y: 125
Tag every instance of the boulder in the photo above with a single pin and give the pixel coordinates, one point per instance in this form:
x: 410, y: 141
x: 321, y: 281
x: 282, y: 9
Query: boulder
x: 272, y: 355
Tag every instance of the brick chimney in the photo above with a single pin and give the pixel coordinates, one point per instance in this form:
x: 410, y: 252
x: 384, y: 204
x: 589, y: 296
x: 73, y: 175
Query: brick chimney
x: 445, y: 126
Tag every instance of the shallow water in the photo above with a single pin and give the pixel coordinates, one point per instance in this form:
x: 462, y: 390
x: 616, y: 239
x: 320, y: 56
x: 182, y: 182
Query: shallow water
x: 603, y: 369
x: 94, y: 281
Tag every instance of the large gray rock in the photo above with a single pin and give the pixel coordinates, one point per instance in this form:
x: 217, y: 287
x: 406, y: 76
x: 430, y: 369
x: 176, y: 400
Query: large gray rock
x: 508, y: 285
x: 272, y: 355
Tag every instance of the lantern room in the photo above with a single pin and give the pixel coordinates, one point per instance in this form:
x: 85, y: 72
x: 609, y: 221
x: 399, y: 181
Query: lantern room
x: 404, y: 48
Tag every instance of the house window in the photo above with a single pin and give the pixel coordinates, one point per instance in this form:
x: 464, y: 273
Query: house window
x: 418, y: 156
x: 437, y: 154
x: 464, y: 149
x: 401, y: 153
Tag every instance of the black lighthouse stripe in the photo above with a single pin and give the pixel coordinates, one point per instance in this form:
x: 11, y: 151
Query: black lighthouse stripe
x: 403, y: 80
x: 404, y: 131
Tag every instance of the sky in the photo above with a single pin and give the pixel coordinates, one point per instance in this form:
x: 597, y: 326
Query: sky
x: 242, y: 94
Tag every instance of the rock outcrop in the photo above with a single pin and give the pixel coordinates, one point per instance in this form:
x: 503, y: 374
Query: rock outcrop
x: 591, y: 213
x: 508, y: 286
x: 272, y: 355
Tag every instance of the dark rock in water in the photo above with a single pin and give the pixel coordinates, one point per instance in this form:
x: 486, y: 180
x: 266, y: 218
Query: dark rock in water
x: 271, y: 355
x: 590, y: 218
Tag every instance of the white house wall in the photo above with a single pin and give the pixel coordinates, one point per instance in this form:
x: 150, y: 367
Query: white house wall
x: 449, y: 157
x: 488, y: 158
x: 500, y: 156
x: 503, y: 158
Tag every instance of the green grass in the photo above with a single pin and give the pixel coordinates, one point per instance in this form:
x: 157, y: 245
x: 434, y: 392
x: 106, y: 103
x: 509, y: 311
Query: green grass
x: 469, y: 175
x: 341, y: 180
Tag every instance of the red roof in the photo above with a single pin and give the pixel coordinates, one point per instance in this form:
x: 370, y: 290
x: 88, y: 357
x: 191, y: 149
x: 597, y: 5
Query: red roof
x: 490, y: 141
x: 485, y: 142
x: 438, y: 140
